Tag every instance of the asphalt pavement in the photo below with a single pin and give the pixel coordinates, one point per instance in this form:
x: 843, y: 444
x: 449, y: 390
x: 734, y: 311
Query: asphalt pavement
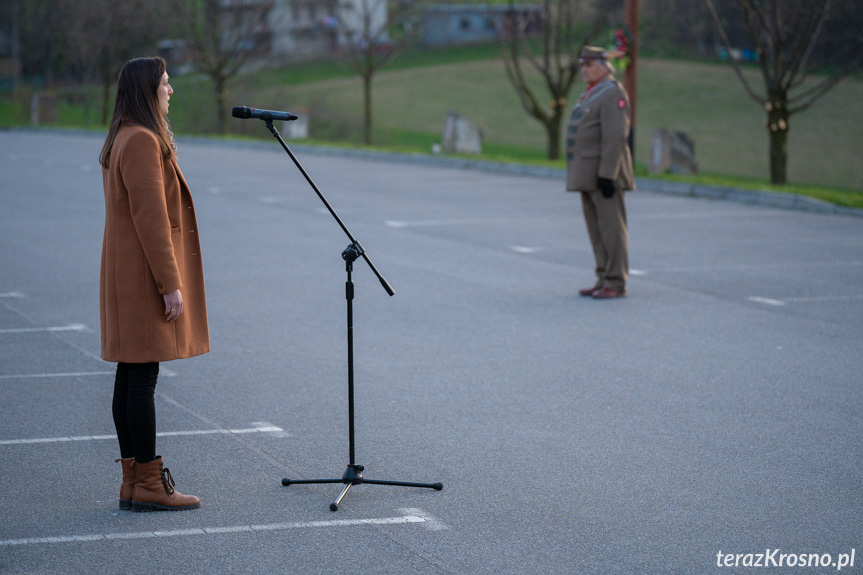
x: 709, y: 421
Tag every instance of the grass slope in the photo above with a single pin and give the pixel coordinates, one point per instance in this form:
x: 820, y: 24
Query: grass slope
x: 705, y: 100
x: 412, y: 97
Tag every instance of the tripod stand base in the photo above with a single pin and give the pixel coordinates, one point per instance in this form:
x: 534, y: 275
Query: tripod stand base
x: 353, y: 476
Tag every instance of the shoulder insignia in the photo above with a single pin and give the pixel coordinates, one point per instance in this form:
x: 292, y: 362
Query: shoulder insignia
x: 621, y: 103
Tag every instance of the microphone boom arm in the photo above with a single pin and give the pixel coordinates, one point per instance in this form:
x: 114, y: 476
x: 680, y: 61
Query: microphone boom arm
x: 361, y: 252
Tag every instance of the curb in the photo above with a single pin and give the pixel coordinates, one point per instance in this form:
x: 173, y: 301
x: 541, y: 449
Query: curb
x: 753, y: 197
x: 770, y: 199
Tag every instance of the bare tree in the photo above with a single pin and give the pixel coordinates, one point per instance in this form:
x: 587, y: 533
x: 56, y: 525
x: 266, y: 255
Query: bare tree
x: 101, y: 34
x: 80, y: 42
x: 10, y: 18
x: 40, y: 49
x: 223, y: 36
x: 373, y: 31
x: 547, y: 41
x: 786, y: 35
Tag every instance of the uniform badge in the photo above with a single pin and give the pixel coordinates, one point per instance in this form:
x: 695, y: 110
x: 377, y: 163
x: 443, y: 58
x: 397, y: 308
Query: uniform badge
x: 621, y: 103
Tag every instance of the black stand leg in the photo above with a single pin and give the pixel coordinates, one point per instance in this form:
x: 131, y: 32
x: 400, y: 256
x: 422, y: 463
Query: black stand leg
x: 353, y: 474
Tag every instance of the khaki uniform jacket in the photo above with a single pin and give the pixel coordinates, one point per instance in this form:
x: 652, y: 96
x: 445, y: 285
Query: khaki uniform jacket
x: 150, y: 248
x: 596, y: 139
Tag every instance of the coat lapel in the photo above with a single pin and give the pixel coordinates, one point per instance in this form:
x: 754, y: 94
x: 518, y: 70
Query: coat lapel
x: 179, y: 173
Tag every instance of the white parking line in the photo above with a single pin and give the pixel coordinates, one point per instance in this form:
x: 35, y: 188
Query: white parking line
x: 70, y: 327
x: 429, y: 223
x: 786, y: 301
x: 525, y: 249
x: 69, y: 374
x: 766, y: 300
x: 162, y: 372
x: 409, y: 516
x: 823, y: 298
x: 260, y: 427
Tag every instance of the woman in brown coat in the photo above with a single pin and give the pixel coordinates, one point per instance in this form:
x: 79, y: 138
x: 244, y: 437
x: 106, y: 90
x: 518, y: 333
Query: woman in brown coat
x: 151, y: 295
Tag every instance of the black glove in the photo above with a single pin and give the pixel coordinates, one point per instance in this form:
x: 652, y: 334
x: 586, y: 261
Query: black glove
x: 605, y: 186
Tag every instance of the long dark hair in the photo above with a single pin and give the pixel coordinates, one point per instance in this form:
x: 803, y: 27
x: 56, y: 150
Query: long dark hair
x: 138, y: 102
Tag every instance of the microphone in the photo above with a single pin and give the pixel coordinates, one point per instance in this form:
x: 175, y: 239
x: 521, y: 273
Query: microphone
x: 244, y: 113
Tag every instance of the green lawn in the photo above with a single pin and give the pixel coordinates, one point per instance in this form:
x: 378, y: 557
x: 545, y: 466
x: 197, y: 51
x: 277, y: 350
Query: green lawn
x: 412, y: 97
x: 708, y: 101
x: 705, y: 100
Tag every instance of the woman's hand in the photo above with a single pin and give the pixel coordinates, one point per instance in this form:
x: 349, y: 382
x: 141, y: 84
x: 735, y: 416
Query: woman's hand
x: 173, y: 305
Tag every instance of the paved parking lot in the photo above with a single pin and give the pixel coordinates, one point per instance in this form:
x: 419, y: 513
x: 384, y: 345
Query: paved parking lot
x: 714, y: 411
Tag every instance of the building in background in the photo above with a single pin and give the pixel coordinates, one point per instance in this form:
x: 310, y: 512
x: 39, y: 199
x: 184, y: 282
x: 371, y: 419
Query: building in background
x: 454, y: 24
x: 297, y: 29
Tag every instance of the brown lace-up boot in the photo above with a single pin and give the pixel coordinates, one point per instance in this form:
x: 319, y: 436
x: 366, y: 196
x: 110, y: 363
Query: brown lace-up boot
x: 155, y: 491
x: 128, y: 484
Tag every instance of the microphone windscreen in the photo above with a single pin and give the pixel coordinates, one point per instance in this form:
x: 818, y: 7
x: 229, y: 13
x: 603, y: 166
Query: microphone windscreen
x: 240, y: 112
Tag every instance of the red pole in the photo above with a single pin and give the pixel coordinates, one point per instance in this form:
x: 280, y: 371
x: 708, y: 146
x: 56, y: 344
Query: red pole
x: 630, y: 80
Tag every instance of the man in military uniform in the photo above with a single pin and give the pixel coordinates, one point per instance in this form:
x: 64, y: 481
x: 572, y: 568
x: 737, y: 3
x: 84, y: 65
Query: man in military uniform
x: 599, y: 165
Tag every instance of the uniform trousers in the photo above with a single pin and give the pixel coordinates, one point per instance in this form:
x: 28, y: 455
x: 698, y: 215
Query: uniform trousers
x: 606, y: 226
x: 134, y: 410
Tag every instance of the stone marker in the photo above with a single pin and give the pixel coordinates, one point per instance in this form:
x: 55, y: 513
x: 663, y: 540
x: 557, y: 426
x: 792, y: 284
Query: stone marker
x: 671, y: 152
x: 297, y: 129
x: 461, y: 136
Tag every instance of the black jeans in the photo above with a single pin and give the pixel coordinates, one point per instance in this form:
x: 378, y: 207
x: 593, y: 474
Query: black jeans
x: 134, y: 410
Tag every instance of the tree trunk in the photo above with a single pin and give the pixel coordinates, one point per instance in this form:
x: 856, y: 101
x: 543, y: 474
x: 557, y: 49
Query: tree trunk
x: 107, y: 82
x: 779, y: 157
x: 367, y: 111
x: 219, y: 83
x: 552, y: 129
x: 777, y: 125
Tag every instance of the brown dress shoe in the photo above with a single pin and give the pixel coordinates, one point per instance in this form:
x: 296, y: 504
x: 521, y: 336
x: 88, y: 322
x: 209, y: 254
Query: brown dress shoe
x: 155, y: 491
x: 128, y: 484
x: 608, y: 293
x: 588, y: 291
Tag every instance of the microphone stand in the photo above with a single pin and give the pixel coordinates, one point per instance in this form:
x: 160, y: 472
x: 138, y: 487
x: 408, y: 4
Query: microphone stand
x: 353, y: 474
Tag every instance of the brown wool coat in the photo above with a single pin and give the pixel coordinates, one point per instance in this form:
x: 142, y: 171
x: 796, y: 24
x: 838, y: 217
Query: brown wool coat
x: 150, y: 248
